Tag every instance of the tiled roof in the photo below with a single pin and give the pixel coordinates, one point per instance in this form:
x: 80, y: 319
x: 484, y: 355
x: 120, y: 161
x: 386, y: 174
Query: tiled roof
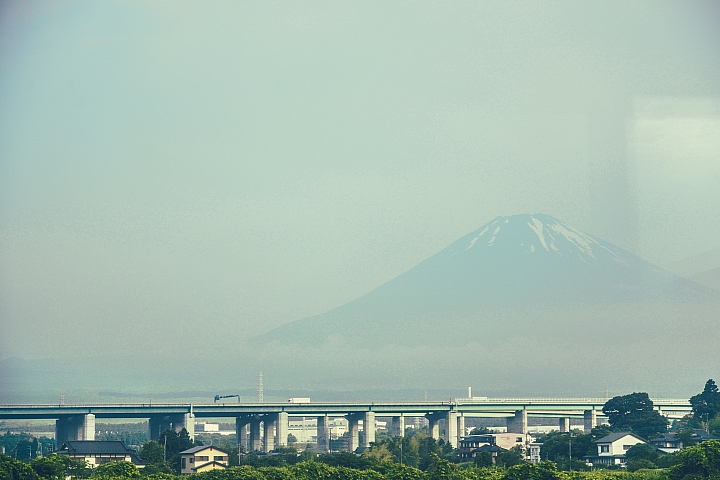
x: 200, y: 448
x: 616, y: 436
x: 95, y: 447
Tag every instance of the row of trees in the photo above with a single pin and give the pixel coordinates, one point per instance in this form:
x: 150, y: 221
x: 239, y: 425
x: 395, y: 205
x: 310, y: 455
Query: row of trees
x: 697, y: 462
x: 636, y: 413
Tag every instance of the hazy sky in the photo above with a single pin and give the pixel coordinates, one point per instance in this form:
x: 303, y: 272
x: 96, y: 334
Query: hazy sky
x: 251, y: 164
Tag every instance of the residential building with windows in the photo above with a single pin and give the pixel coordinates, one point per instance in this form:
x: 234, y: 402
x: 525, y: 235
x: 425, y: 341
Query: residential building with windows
x: 672, y: 442
x: 611, y: 449
x: 532, y: 453
x: 201, y: 459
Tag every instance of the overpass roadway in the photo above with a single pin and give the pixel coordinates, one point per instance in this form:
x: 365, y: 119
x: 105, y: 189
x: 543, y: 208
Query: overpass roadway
x: 77, y: 422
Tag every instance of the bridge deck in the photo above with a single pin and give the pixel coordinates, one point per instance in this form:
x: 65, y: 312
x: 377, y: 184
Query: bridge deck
x: 551, y: 407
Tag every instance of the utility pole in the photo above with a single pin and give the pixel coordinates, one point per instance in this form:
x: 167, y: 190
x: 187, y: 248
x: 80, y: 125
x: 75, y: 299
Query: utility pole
x: 570, y: 445
x: 707, y: 425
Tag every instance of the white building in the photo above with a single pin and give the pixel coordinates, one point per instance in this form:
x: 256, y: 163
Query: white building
x: 611, y: 449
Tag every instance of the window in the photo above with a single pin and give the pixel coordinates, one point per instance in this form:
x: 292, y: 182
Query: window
x: 604, y: 448
x: 202, y: 458
x: 518, y: 439
x: 182, y: 463
x: 192, y: 459
x: 626, y: 447
x: 220, y: 458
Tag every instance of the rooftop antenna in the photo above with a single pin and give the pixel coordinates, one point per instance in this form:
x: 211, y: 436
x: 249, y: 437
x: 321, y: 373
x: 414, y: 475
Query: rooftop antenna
x: 260, y: 388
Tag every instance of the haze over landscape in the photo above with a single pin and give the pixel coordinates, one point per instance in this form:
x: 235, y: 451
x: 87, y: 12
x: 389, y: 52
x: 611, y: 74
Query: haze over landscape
x: 370, y: 199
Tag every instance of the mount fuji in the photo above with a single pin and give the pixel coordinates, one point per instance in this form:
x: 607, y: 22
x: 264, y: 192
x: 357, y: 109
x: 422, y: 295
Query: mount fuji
x: 508, y: 268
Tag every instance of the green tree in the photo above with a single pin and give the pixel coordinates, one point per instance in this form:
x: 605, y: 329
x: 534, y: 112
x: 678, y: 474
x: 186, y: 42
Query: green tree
x: 152, y: 452
x: 509, y: 458
x: 119, y: 469
x: 173, y: 443
x: 441, y: 469
x: 483, y: 459
x: 312, y: 471
x: 395, y: 471
x: 556, y: 445
x: 415, y: 448
x: 636, y: 413
x: 600, y: 431
x: 57, y: 467
x: 51, y: 467
x: 640, y: 456
x: 480, y: 431
x: 706, y: 405
x: 158, y: 476
x: 26, y: 449
x: 696, y: 462
x: 11, y: 469
x: 529, y: 471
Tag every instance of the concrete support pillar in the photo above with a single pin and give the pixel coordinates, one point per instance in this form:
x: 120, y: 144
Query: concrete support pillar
x: 323, y: 436
x: 60, y: 432
x: 460, y: 427
x: 88, y: 427
x: 189, y: 425
x: 451, y: 434
x: 368, y: 429
x: 157, y: 425
x: 255, y: 443
x: 434, y: 426
x: 269, y: 433
x: 241, y: 433
x: 281, y: 429
x: 590, y: 420
x: 79, y: 427
x: 398, y: 426
x: 518, y: 423
x: 353, y: 430
x: 564, y: 425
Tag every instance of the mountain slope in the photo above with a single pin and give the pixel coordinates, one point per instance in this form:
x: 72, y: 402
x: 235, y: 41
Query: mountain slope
x: 513, y: 264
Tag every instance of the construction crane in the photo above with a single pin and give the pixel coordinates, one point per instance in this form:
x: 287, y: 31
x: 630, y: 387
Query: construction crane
x: 218, y: 397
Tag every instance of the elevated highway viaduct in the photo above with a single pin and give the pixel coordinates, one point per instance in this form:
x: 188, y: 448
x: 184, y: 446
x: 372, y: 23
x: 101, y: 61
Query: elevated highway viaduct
x: 263, y: 426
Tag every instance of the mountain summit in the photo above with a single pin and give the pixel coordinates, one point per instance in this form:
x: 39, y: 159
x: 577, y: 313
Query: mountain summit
x: 518, y: 262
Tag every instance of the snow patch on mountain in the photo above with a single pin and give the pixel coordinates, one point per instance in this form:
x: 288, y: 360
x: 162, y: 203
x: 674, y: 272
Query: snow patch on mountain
x: 537, y: 227
x: 472, y: 242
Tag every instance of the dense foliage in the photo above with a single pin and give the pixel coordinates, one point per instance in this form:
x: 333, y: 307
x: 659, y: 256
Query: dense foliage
x: 702, y: 461
x: 635, y: 413
x: 706, y: 405
x: 696, y: 462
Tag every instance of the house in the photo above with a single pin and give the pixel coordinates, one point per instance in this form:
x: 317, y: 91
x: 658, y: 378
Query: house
x: 611, y: 448
x: 671, y: 442
x: 532, y: 453
x: 667, y: 443
x: 469, y: 446
x: 97, y: 452
x: 201, y: 459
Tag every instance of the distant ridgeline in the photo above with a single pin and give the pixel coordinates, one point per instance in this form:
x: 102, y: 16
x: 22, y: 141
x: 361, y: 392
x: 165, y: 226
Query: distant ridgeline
x: 516, y: 272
